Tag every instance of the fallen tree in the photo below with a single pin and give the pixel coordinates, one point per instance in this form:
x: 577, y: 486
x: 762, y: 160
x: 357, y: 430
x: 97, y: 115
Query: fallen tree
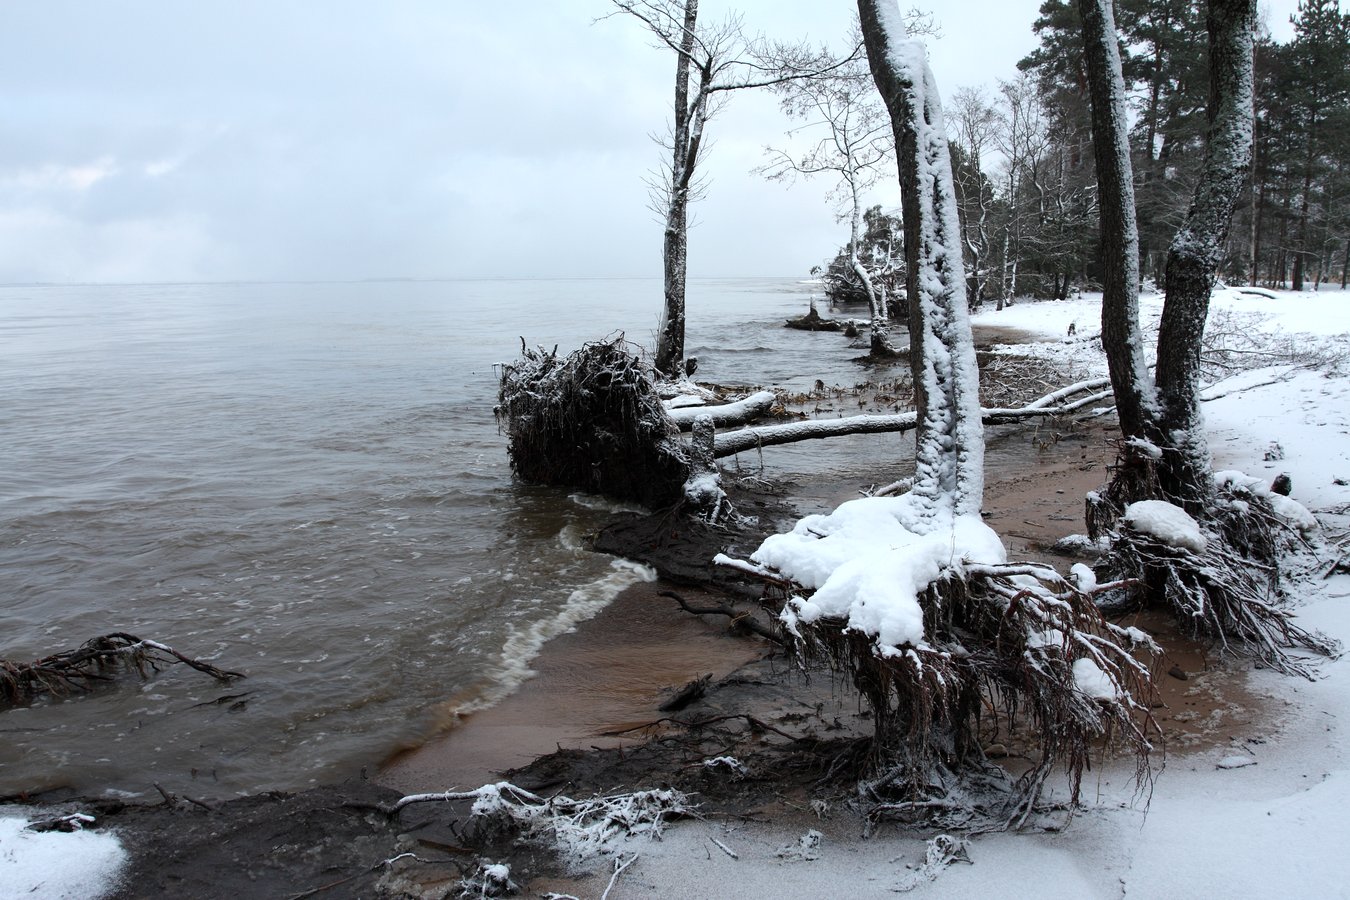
x: 753, y: 438
x: 94, y: 662
x: 739, y: 412
x: 593, y: 421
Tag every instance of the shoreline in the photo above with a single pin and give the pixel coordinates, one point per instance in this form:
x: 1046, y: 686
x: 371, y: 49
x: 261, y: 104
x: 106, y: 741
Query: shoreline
x: 611, y: 673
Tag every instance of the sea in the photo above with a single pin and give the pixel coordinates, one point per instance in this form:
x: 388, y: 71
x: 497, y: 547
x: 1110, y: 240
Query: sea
x: 305, y: 482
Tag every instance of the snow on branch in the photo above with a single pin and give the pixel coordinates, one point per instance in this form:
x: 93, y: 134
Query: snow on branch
x: 741, y: 411
x: 575, y: 829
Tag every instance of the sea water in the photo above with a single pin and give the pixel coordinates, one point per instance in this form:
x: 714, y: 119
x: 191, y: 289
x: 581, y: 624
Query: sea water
x: 305, y: 482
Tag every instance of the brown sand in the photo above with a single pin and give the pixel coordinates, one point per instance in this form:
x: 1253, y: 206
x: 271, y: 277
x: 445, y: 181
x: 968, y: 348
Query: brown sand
x: 609, y: 673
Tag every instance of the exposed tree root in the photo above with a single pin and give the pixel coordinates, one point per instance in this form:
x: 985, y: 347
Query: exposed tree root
x: 592, y: 421
x: 1016, y: 639
x: 92, y: 663
x: 1231, y: 592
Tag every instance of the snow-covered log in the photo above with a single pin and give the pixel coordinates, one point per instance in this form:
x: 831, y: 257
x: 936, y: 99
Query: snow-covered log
x: 738, y: 413
x: 732, y: 442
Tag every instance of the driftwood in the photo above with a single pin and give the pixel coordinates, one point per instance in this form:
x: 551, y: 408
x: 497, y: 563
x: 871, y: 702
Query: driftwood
x: 814, y: 321
x: 733, y: 442
x: 743, y: 620
x: 737, y: 413
x: 90, y: 664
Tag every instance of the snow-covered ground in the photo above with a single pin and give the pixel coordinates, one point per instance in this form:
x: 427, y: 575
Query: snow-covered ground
x: 55, y: 865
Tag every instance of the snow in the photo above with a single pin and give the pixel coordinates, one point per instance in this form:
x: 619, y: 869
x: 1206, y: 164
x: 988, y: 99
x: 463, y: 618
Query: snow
x: 684, y: 410
x: 1167, y: 522
x: 1083, y: 577
x: 869, y: 560
x: 80, y: 864
x: 1089, y: 678
x: 949, y: 457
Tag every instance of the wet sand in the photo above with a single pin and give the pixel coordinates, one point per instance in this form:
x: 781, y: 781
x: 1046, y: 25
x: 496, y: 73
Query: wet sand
x: 610, y: 673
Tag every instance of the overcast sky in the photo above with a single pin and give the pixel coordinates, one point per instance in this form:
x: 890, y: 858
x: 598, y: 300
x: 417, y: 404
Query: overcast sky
x: 162, y: 140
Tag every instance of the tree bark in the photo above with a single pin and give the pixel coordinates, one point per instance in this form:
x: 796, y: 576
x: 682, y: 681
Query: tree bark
x: 1197, y: 251
x: 675, y: 247
x: 949, y: 455
x: 1136, y: 403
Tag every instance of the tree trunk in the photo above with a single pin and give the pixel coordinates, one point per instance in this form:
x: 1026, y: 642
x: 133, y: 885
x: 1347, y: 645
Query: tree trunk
x: 1197, y: 250
x: 675, y: 248
x: 949, y: 457
x: 1136, y: 403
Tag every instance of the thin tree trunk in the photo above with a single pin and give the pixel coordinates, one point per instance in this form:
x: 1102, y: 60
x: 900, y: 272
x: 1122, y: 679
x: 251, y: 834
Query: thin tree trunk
x: 1136, y: 402
x: 1197, y: 250
x: 675, y: 247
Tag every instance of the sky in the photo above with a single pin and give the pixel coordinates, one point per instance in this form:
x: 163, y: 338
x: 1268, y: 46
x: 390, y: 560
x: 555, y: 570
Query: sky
x: 156, y: 140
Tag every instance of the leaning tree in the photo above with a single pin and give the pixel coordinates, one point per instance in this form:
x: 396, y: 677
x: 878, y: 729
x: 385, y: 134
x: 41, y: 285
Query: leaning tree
x: 1223, y: 578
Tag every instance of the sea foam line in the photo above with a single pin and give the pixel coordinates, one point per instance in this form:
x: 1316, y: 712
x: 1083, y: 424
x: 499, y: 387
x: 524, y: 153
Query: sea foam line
x: 522, y: 646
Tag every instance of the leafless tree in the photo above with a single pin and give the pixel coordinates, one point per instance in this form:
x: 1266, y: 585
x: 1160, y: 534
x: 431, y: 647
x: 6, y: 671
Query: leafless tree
x: 711, y: 62
x: 854, y: 145
x: 974, y: 125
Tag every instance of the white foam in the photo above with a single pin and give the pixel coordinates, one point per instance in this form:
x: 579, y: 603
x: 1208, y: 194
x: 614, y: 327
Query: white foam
x: 523, y: 645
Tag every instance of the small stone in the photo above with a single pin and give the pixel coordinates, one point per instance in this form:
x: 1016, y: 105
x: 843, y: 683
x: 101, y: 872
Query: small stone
x: 1178, y: 673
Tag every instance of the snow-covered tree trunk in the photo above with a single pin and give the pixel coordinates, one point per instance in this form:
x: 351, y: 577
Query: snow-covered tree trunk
x: 949, y: 457
x: 1136, y: 403
x: 675, y: 247
x: 1197, y: 249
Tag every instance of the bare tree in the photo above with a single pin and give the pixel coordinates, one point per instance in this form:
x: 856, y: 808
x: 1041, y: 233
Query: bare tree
x: 1023, y: 139
x: 856, y: 143
x: 710, y: 63
x: 974, y: 124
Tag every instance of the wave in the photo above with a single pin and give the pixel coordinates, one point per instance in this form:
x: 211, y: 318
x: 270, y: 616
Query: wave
x: 522, y: 646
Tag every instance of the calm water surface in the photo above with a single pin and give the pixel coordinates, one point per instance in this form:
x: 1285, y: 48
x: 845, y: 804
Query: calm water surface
x: 305, y: 482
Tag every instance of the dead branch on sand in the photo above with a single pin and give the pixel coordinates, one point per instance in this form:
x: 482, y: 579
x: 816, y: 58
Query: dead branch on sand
x: 90, y: 664
x: 739, y: 618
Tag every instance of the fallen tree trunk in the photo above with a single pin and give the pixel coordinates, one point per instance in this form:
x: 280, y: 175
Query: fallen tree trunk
x: 738, y: 413
x: 734, y: 442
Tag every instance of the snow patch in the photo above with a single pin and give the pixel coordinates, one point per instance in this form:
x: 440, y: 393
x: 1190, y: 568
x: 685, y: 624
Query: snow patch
x: 870, y: 559
x: 56, y: 864
x: 1089, y: 678
x: 1167, y: 522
